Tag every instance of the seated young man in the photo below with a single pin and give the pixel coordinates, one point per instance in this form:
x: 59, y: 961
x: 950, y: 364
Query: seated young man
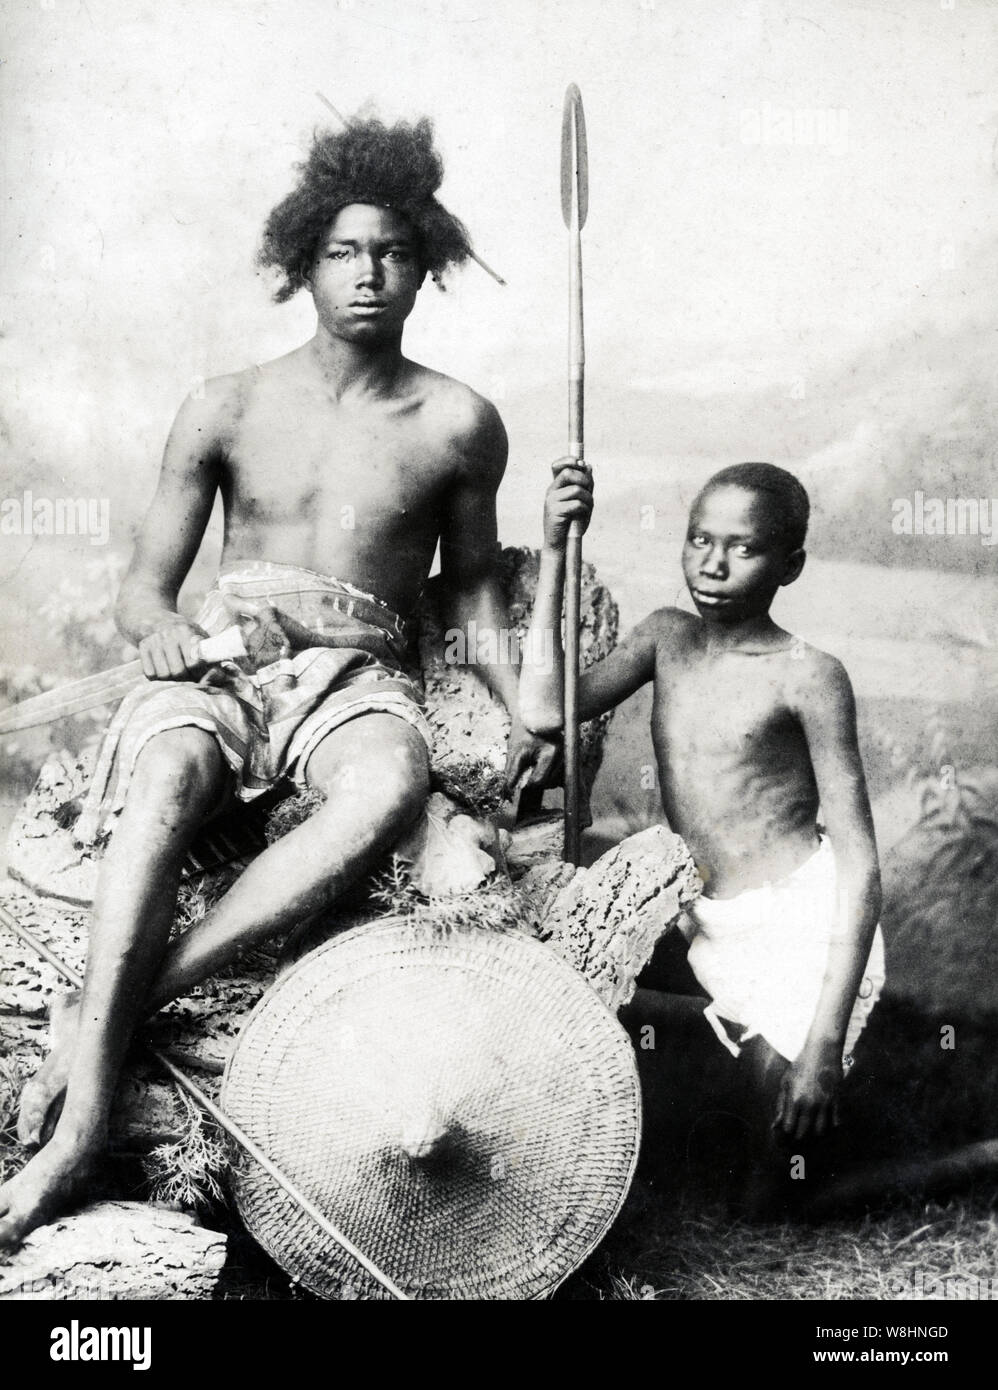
x: 340, y: 465
x: 753, y: 731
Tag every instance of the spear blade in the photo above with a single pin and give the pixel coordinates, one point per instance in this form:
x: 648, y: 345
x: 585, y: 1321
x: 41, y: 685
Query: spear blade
x: 574, y: 160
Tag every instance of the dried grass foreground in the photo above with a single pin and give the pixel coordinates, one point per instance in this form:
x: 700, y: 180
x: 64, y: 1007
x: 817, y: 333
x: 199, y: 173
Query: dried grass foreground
x: 669, y: 1250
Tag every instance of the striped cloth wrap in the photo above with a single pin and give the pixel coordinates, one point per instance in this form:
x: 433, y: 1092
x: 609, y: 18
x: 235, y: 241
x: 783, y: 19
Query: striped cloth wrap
x: 267, y: 721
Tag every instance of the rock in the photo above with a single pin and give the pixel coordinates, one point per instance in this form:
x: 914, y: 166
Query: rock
x: 449, y: 852
x: 535, y: 842
x: 40, y: 848
x: 26, y: 980
x: 606, y: 920
x: 22, y: 1038
x: 538, y: 888
x: 115, y: 1250
x: 146, y: 1111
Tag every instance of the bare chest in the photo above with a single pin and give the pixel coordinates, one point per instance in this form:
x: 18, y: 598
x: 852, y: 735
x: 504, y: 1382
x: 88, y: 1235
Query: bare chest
x: 734, y: 709
x: 348, y: 469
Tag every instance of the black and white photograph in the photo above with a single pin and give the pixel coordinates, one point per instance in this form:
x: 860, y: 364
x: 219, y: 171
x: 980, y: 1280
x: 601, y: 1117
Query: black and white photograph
x: 499, y: 661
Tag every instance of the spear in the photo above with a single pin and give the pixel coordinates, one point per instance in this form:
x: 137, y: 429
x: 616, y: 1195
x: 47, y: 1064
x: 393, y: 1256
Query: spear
x: 574, y: 206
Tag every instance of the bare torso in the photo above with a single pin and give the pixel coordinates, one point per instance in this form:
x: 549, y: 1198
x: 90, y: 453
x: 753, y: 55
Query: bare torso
x: 350, y: 461
x: 735, y: 772
x: 355, y: 487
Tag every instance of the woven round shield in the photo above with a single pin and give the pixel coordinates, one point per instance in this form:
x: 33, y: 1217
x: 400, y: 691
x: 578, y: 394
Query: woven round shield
x: 463, y: 1107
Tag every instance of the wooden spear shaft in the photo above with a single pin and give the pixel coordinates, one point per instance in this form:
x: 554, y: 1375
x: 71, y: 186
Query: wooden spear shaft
x: 574, y: 206
x: 229, y: 1125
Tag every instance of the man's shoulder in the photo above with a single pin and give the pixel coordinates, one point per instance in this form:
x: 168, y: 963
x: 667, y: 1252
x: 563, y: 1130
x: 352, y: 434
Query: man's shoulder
x: 232, y: 390
x: 216, y: 407
x: 456, y: 409
x: 216, y: 403
x: 207, y: 418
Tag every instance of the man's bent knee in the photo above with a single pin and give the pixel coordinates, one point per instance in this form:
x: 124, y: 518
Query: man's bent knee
x: 381, y: 759
x: 184, y: 765
x: 404, y: 781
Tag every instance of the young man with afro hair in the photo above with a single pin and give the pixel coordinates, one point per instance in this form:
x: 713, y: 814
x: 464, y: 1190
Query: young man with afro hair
x: 341, y: 466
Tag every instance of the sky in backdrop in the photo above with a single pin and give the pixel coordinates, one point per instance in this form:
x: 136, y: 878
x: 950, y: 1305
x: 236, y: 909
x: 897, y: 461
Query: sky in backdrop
x: 790, y: 254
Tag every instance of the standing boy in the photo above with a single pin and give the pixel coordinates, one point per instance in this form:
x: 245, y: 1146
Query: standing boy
x: 753, y: 730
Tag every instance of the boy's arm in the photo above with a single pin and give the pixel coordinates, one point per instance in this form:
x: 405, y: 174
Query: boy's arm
x: 168, y: 541
x: 827, y: 710
x: 542, y: 673
x: 468, y: 548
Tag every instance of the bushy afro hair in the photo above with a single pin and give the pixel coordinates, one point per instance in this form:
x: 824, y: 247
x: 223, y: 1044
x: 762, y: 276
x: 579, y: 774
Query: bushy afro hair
x: 368, y: 162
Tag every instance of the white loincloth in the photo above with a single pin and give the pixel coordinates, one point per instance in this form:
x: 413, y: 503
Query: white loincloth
x: 761, y: 956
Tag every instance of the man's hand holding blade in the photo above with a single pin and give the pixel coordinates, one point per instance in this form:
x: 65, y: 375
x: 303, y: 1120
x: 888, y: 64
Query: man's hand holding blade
x: 173, y: 651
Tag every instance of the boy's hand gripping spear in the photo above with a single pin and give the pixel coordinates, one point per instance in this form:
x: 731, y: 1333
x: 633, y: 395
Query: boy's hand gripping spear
x: 574, y: 206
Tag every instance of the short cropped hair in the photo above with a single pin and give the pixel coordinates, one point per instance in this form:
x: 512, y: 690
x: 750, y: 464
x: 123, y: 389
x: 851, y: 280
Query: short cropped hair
x: 786, y: 495
x: 368, y: 162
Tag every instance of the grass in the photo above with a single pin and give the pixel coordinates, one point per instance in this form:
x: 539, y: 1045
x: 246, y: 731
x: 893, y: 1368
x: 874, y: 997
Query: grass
x: 669, y: 1250
x: 497, y: 905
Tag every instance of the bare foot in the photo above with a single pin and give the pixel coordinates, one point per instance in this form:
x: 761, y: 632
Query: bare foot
x: 41, y: 1098
x: 43, y: 1188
